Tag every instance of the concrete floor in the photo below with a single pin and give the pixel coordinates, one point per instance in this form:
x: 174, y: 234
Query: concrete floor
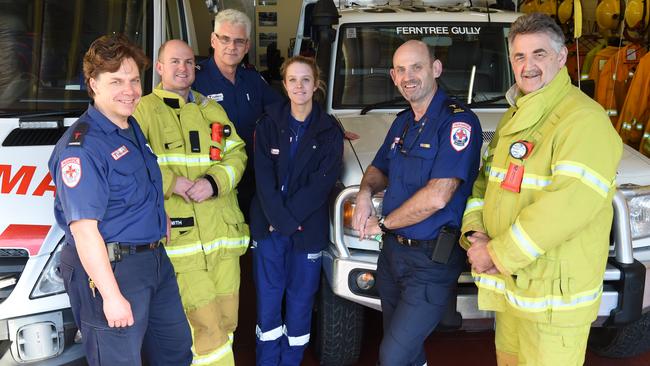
x: 458, y: 348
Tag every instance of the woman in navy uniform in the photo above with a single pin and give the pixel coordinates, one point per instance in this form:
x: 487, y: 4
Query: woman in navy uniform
x: 109, y: 200
x: 298, y: 157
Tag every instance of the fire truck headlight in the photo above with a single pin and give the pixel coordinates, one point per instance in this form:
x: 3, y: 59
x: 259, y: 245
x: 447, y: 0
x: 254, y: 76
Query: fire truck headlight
x: 50, y: 281
x: 639, y: 207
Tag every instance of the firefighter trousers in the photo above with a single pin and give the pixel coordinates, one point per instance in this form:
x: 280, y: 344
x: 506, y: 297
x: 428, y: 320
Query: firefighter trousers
x: 280, y: 272
x: 521, y: 342
x: 211, y: 301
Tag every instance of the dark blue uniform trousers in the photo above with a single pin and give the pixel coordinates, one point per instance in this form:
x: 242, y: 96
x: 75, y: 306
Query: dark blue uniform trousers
x: 146, y: 279
x: 280, y: 271
x: 414, y: 293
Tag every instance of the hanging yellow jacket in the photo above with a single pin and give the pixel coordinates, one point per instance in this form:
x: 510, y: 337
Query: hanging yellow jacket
x: 613, y: 79
x: 179, y: 133
x: 550, y: 241
x: 637, y: 102
x: 589, y: 59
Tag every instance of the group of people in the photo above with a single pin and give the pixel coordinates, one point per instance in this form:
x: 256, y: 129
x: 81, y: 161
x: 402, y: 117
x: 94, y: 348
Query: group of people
x: 150, y: 192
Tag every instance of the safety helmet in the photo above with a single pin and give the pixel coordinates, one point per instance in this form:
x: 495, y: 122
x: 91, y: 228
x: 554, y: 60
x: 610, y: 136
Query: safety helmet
x: 529, y: 6
x: 565, y: 11
x: 548, y: 7
x: 608, y: 14
x: 637, y: 14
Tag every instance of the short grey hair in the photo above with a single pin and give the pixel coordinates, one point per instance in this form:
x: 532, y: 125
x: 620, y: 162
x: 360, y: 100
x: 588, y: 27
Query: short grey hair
x: 537, y: 23
x: 234, y: 17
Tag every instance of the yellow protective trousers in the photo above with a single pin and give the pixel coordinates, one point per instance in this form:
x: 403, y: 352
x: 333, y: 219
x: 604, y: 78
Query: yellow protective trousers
x: 522, y: 342
x: 211, y: 300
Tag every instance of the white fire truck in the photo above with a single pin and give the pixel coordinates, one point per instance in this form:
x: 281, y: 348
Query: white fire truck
x: 354, y: 43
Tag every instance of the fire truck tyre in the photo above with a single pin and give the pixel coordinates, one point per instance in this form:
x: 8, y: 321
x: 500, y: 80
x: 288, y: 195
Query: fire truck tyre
x: 338, y: 328
x: 627, y: 341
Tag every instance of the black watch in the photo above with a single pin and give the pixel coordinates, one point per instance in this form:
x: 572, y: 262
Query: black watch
x: 380, y: 223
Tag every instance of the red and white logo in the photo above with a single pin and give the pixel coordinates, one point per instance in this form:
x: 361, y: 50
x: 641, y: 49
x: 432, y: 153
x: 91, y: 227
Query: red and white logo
x: 460, y: 135
x: 71, y: 171
x: 121, y: 151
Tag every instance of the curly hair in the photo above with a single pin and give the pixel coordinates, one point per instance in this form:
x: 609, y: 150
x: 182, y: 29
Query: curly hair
x: 106, y: 54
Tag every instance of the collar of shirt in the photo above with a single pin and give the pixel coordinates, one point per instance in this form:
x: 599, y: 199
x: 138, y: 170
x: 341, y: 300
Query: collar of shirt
x: 216, y: 73
x: 299, y: 127
x: 102, y: 121
x: 433, y: 110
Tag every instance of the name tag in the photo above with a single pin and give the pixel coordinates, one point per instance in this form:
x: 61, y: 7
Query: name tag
x: 216, y: 97
x: 121, y: 151
x: 275, y: 151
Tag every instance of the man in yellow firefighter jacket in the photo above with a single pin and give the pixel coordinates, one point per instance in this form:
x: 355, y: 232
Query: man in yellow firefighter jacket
x: 202, y: 159
x: 537, y: 224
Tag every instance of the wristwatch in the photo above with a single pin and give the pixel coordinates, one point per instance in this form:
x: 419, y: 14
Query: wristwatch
x: 380, y: 223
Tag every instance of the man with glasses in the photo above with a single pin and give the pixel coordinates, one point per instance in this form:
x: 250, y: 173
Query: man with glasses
x: 427, y: 165
x: 240, y: 89
x: 201, y: 164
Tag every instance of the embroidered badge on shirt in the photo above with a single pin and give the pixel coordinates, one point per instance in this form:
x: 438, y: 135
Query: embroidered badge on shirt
x: 275, y: 151
x: 71, y: 171
x: 216, y: 97
x: 460, y: 135
x: 121, y: 151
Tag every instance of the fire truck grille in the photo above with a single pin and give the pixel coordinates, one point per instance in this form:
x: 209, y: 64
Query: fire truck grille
x: 20, y: 253
x: 10, y: 271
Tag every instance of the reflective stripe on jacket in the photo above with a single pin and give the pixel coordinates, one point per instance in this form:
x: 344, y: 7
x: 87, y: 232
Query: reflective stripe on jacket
x: 550, y: 240
x: 179, y: 133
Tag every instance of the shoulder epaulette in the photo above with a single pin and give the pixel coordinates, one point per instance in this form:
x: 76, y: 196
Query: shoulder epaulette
x: 404, y: 111
x: 78, y: 134
x: 455, y: 108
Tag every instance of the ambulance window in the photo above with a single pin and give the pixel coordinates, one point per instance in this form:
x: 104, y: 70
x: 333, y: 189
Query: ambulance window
x: 43, y: 44
x: 470, y: 53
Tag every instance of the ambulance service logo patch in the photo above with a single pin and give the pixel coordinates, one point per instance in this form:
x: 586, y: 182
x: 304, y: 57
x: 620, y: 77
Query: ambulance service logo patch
x: 460, y: 135
x: 119, y: 152
x: 71, y: 171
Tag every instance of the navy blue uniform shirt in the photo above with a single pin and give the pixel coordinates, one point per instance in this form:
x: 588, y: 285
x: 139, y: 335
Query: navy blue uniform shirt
x: 294, y: 191
x: 103, y: 175
x: 244, y: 101
x: 444, y: 143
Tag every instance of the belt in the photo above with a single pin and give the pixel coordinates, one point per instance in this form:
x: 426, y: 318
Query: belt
x: 116, y: 251
x: 412, y: 242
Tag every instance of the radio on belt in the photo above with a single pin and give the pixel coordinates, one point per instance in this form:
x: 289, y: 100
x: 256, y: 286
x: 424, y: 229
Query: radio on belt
x: 519, y: 150
x: 219, y: 132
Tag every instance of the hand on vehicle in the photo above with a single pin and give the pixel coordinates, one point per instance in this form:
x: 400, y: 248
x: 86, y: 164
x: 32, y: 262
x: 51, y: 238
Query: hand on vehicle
x: 362, y: 212
x: 118, y: 312
x: 372, y: 227
x: 182, y: 186
x: 200, y: 191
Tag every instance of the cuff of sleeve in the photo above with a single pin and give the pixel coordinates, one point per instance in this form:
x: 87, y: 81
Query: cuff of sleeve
x: 497, y: 261
x: 213, y: 183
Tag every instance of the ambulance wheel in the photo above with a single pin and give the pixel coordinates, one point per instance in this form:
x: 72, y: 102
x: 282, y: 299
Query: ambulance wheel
x: 338, y: 328
x: 627, y: 341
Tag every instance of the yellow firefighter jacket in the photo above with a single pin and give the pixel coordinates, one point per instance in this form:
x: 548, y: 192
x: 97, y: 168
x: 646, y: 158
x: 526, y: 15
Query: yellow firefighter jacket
x: 550, y: 241
x: 179, y: 133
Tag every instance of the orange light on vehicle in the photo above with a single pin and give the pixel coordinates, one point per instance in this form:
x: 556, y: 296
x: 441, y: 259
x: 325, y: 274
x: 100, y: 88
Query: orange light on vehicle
x: 348, y: 210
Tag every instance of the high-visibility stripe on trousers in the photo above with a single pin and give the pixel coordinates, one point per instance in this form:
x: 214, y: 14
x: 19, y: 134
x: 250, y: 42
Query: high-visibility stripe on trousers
x: 282, y: 272
x: 211, y: 300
